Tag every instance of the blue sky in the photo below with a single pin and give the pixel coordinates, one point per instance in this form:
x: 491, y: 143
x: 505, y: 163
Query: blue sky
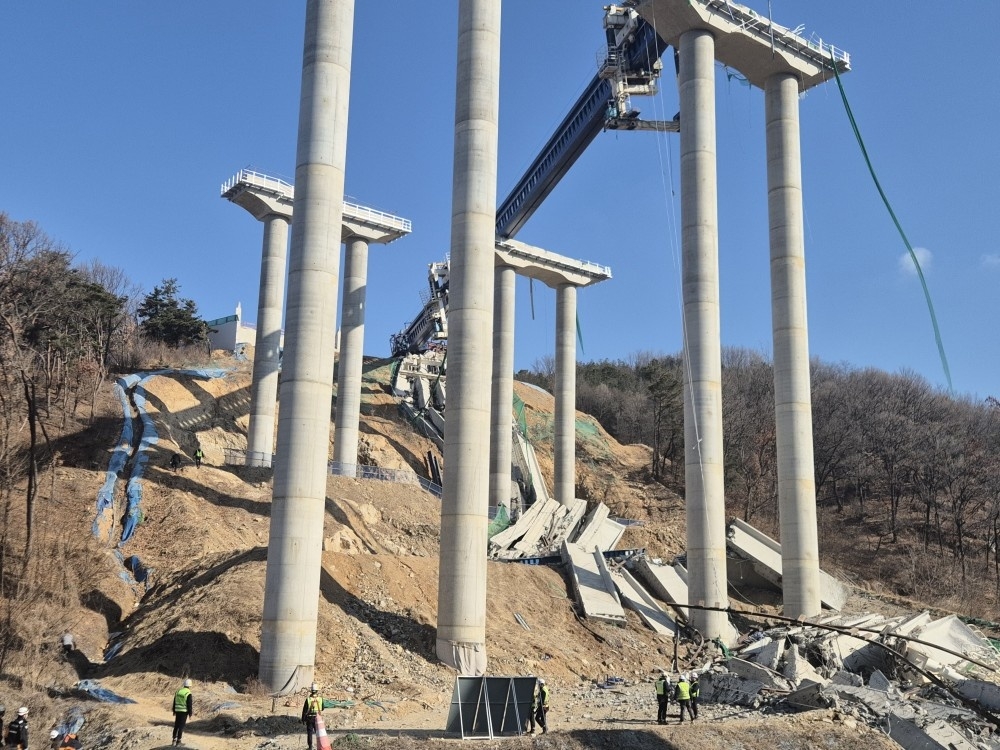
x: 121, y: 120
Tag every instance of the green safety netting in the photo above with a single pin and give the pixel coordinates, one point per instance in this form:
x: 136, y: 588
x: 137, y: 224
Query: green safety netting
x: 499, y: 523
x: 522, y: 420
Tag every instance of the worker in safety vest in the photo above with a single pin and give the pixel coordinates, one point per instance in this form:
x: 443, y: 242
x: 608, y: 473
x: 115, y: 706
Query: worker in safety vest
x: 311, y: 709
x: 683, y: 696
x: 183, y: 710
x: 542, y: 703
x: 662, y: 697
x: 694, y: 695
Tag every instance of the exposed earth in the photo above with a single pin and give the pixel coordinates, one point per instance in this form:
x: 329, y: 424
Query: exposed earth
x: 204, y: 541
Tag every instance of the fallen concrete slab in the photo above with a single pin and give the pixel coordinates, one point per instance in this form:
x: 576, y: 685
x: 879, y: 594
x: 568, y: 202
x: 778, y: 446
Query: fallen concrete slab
x: 635, y: 597
x: 591, y: 525
x: 807, y: 698
x: 797, y: 668
x: 765, y: 553
x: 731, y: 689
x: 937, y: 736
x: 669, y: 582
x: 591, y: 584
x: 609, y: 533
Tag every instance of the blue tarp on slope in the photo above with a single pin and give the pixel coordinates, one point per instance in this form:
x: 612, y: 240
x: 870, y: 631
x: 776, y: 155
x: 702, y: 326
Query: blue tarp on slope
x: 93, y: 689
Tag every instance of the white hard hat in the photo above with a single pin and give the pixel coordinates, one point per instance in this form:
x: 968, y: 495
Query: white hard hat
x: 53, y: 734
x: 541, y: 681
x: 188, y: 683
x: 314, y: 688
x: 22, y: 711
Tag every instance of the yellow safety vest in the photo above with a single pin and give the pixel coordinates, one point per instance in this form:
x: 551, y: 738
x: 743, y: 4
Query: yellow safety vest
x: 683, y: 691
x: 544, y: 696
x: 315, y: 705
x: 661, y: 686
x: 181, y: 700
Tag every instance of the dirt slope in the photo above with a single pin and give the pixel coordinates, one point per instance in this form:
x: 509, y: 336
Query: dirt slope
x: 204, y: 537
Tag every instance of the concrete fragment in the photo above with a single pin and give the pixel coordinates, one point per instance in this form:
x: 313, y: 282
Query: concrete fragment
x: 986, y: 694
x: 844, y: 677
x: 609, y: 533
x: 955, y: 635
x: 752, y: 650
x: 797, y: 668
x: 765, y: 553
x: 770, y: 655
x: 809, y: 697
x: 756, y: 672
x: 936, y: 736
x: 879, y: 681
x: 723, y: 687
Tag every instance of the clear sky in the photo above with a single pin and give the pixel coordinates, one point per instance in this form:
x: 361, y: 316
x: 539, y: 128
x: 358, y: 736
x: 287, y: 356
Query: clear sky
x: 121, y: 120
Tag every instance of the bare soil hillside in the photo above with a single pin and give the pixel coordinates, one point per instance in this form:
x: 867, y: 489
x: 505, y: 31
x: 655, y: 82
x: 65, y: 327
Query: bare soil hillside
x: 203, y: 540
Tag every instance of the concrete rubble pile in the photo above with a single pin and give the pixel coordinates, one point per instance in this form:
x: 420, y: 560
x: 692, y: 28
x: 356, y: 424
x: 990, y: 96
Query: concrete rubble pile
x: 807, y: 666
x: 542, y: 530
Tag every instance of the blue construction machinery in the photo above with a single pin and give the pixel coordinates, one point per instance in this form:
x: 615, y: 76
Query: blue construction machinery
x: 630, y: 67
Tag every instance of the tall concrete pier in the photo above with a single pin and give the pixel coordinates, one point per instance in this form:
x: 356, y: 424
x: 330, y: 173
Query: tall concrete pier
x: 565, y: 275
x: 792, y: 398
x: 461, y: 626
x: 268, y: 200
x: 362, y: 227
x: 703, y: 462
x: 291, y: 595
x: 502, y: 401
x: 778, y: 60
x: 564, y: 489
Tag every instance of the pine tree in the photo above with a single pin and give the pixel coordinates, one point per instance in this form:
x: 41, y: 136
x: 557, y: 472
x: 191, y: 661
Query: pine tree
x: 166, y: 317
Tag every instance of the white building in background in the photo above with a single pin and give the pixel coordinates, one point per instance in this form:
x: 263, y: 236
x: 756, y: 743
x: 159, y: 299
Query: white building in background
x: 231, y: 332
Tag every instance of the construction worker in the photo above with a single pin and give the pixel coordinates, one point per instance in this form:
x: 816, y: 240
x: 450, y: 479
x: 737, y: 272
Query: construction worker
x: 683, y: 695
x: 68, y: 643
x: 311, y: 711
x: 694, y: 695
x: 198, y: 456
x: 662, y: 697
x: 543, y: 705
x: 175, y: 462
x: 183, y: 709
x: 17, y: 731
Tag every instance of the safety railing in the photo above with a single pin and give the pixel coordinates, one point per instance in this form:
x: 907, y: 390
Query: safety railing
x: 235, y: 457
x: 258, y: 179
x: 381, y: 218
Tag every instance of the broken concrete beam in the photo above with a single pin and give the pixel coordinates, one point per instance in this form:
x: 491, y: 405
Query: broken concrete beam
x: 953, y: 634
x: 608, y: 534
x: 591, y: 525
x: 765, y: 553
x: 635, y: 597
x: 669, y: 582
x: 549, y: 516
x: 731, y: 689
x: 750, y: 671
x: 590, y: 585
x: 510, y: 535
x: 565, y: 525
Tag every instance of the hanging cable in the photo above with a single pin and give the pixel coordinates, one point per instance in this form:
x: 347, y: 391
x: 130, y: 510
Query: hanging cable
x: 899, y: 228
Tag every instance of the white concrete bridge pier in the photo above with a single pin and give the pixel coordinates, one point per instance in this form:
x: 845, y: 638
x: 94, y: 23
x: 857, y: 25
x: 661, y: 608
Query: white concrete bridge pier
x: 294, y: 553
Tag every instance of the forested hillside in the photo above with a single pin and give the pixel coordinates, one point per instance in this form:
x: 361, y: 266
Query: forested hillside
x: 907, y: 475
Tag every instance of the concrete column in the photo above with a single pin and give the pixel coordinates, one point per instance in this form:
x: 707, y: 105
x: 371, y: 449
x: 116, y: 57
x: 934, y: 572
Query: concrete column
x: 461, y: 631
x: 264, y: 388
x: 502, y: 403
x: 703, y: 465
x: 792, y: 397
x: 565, y: 409
x: 352, y: 347
x: 294, y: 554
